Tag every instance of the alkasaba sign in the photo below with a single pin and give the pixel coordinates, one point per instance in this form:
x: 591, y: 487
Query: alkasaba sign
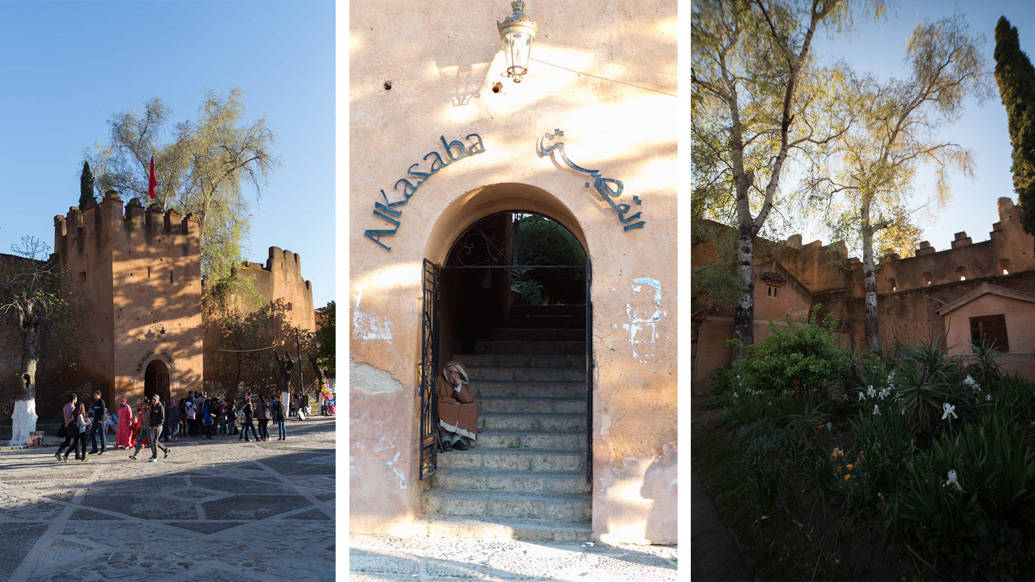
x: 390, y: 211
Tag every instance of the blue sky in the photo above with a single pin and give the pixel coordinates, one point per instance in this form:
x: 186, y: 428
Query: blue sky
x: 878, y: 47
x: 67, y: 67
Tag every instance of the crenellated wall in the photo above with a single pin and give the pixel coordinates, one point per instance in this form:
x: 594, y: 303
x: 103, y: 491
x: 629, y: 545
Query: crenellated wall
x: 281, y: 277
x: 909, y: 290
x: 136, y: 273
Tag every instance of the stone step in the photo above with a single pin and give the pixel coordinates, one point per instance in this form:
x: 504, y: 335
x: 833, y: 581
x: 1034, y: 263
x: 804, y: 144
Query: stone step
x: 534, y: 439
x: 526, y: 347
x: 550, y: 506
x: 537, y: 334
x: 490, y: 389
x: 550, y: 422
x: 530, y: 404
x: 563, y: 321
x: 572, y: 361
x: 543, y: 310
x: 516, y: 374
x: 484, y: 458
x: 502, y: 529
x: 566, y: 482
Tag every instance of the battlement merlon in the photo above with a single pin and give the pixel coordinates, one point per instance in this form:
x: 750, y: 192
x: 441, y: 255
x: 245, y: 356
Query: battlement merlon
x: 93, y: 221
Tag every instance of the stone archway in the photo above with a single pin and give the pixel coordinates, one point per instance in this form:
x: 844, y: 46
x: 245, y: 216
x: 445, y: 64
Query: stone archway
x: 529, y: 370
x: 156, y: 380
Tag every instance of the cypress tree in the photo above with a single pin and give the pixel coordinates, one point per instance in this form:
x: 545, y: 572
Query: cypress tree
x: 1016, y: 79
x: 86, y: 198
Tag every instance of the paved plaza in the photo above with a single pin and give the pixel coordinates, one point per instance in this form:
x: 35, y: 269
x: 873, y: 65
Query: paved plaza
x: 214, y: 510
x: 422, y: 559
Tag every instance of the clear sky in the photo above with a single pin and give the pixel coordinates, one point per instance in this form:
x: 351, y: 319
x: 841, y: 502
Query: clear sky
x: 67, y: 67
x: 878, y: 47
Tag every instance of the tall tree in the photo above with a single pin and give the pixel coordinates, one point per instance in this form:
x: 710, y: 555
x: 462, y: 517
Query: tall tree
x: 86, y: 198
x: 895, y: 130
x: 1016, y: 79
x: 34, y: 295
x: 325, y: 330
x: 754, y: 100
x: 201, y: 171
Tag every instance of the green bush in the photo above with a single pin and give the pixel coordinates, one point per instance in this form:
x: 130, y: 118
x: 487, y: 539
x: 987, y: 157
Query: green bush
x: 803, y: 357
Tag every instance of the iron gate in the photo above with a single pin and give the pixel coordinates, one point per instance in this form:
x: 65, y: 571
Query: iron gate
x: 589, y: 376
x: 428, y: 366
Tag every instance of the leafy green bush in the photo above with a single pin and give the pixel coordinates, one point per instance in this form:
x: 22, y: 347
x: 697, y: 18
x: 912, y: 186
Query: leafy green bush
x: 804, y: 357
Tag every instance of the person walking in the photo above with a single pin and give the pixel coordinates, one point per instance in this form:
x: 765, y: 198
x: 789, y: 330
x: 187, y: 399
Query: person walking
x: 207, y: 418
x: 278, y: 417
x: 124, y: 432
x: 172, y: 421
x: 68, y: 429
x: 247, y: 422
x: 154, y: 416
x: 263, y: 415
x: 82, y: 422
x: 99, y: 411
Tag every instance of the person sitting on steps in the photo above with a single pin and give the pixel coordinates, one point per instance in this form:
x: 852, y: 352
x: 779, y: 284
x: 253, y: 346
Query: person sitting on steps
x: 457, y: 410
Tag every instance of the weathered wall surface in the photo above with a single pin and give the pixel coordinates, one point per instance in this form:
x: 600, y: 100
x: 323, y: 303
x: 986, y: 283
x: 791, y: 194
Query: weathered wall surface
x: 910, y: 291
x: 137, y: 275
x: 606, y: 76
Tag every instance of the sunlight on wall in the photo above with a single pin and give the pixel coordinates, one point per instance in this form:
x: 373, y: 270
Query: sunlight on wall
x: 631, y: 527
x: 389, y: 278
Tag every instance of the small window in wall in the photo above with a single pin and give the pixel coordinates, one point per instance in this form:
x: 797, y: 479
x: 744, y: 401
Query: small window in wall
x: 990, y: 329
x: 170, y: 275
x: 772, y: 290
x: 961, y: 273
x: 927, y: 279
x: 894, y: 285
x: 149, y: 272
x: 82, y: 275
x: 290, y: 306
x: 1004, y: 266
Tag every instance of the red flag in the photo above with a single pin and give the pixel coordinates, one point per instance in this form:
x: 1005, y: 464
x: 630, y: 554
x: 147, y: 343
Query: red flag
x: 151, y: 181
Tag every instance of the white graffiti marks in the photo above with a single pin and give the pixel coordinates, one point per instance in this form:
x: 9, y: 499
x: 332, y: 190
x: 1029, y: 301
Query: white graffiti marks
x: 644, y: 313
x: 368, y: 326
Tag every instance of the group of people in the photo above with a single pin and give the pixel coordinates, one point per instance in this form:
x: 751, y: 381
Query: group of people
x: 196, y: 415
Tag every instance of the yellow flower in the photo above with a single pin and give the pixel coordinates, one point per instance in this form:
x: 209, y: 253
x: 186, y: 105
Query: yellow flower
x: 848, y: 476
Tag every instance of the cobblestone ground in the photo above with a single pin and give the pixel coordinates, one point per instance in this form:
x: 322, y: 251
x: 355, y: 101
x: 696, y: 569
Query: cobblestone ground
x: 384, y: 559
x: 214, y: 510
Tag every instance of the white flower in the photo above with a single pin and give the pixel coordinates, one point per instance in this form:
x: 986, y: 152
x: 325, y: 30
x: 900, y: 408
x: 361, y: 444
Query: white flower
x: 968, y: 381
x: 953, y: 481
x: 871, y: 392
x: 948, y: 409
x: 884, y: 393
x: 876, y: 411
x: 988, y: 397
x: 862, y: 396
x: 735, y: 395
x: 891, y: 377
x: 830, y: 427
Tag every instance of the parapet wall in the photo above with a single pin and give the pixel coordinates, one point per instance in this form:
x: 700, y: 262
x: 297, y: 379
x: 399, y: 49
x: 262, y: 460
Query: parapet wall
x: 281, y: 278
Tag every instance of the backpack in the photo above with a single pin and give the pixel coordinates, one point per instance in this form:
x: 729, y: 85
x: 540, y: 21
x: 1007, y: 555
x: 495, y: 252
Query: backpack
x: 190, y: 410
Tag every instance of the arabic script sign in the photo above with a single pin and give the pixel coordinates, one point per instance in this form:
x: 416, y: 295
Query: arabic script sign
x: 407, y: 186
x: 608, y: 188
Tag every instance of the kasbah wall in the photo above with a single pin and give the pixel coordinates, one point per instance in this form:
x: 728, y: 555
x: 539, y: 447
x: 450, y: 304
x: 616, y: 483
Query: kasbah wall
x: 135, y: 275
x: 605, y: 74
x: 930, y: 295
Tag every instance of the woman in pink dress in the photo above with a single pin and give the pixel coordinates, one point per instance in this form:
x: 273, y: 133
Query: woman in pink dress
x: 124, y: 433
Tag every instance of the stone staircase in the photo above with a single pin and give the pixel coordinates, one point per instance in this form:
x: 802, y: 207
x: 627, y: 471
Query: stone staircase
x: 526, y: 476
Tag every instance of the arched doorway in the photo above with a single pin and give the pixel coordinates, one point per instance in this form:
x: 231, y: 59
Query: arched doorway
x: 156, y: 380
x: 511, y: 301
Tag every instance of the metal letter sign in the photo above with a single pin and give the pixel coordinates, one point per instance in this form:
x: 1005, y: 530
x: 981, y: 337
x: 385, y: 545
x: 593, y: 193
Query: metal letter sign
x: 390, y: 211
x: 607, y: 188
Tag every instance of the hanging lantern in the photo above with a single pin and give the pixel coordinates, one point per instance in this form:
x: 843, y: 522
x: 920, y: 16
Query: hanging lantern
x: 517, y: 32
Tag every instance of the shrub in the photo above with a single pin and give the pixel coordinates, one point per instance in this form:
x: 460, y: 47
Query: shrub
x: 803, y: 357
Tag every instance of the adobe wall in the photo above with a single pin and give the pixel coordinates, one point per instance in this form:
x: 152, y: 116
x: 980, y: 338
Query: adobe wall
x: 606, y: 75
x: 909, y: 290
x: 1019, y: 316
x: 137, y: 274
x: 281, y: 278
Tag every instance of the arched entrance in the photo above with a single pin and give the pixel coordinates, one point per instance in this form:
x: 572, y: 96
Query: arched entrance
x: 511, y: 301
x: 156, y: 380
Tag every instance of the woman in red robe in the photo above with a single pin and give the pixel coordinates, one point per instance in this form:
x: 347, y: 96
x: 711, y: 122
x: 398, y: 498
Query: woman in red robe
x: 457, y: 410
x: 124, y: 432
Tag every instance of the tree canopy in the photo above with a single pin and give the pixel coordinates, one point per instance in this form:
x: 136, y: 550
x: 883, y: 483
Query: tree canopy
x: 200, y: 170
